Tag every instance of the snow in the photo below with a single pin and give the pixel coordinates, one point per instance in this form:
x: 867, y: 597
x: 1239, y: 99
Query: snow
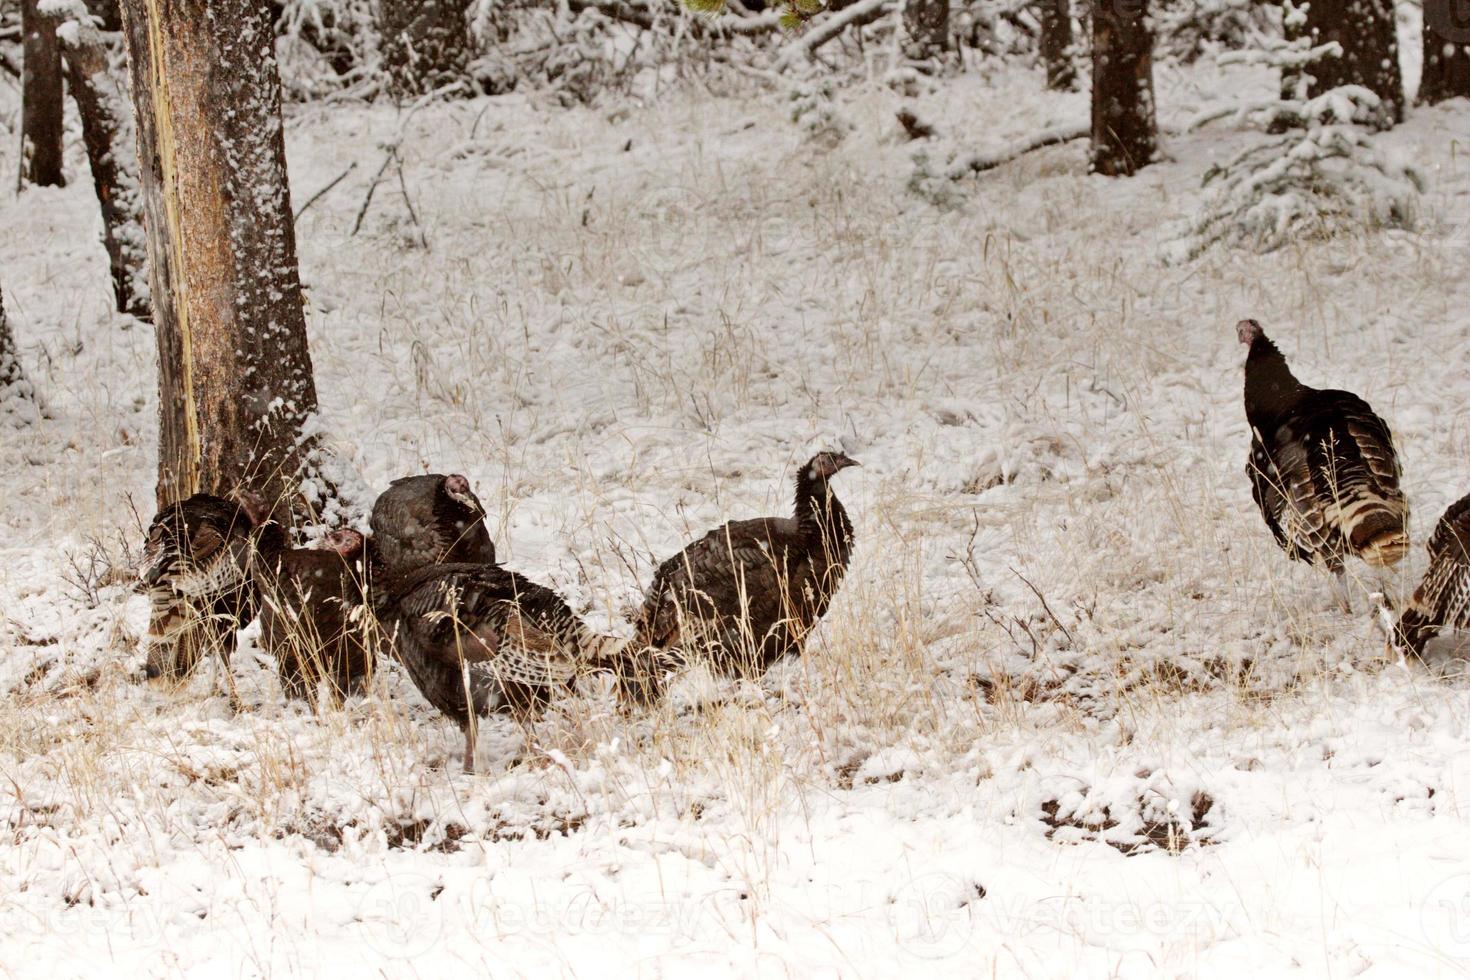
x: 1072, y: 713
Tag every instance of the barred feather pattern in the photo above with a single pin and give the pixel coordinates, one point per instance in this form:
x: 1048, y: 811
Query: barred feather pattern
x: 1323, y: 468
x: 1442, y: 600
x: 479, y: 638
x: 194, y: 574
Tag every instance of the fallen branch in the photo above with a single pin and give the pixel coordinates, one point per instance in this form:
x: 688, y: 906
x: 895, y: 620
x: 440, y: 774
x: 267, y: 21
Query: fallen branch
x: 978, y: 162
x: 860, y: 13
x: 323, y: 192
x: 647, y: 16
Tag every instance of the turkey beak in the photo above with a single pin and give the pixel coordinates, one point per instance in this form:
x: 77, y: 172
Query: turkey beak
x: 846, y: 461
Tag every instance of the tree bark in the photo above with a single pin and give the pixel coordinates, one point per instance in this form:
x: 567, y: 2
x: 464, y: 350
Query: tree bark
x: 426, y: 43
x: 18, y: 402
x: 1446, y: 51
x: 1125, y: 130
x: 1370, y: 52
x: 107, y: 130
x: 41, y: 95
x: 926, y: 28
x: 235, y: 377
x: 1056, y: 45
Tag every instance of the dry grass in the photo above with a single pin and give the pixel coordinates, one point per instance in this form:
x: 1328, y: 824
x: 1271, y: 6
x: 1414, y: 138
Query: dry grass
x: 1054, y: 528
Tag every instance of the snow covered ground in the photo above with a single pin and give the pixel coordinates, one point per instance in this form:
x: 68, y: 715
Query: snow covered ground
x: 1072, y: 714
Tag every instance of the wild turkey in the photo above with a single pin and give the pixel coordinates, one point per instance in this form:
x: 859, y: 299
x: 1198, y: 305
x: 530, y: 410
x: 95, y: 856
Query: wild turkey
x: 307, y: 600
x: 749, y: 592
x: 421, y: 520
x: 1323, y: 468
x: 478, y: 639
x: 1442, y: 600
x: 193, y: 571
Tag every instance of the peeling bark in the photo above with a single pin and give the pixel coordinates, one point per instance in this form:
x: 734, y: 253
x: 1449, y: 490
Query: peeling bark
x: 235, y: 376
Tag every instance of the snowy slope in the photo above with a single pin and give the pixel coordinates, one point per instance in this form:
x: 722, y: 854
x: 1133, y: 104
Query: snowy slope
x: 1073, y: 713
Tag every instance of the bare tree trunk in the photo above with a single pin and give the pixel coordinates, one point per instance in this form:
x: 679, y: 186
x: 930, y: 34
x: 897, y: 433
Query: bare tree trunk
x: 1291, y: 30
x: 926, y: 28
x: 235, y: 377
x: 1446, y: 51
x: 1370, y: 51
x: 41, y: 95
x: 107, y: 129
x: 18, y: 402
x: 426, y: 43
x: 1125, y: 130
x: 1056, y: 45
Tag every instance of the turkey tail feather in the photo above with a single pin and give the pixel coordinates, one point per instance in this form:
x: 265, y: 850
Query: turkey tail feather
x: 1378, y: 535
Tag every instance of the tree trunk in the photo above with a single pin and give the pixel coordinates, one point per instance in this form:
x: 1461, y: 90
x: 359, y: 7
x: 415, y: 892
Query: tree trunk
x: 1125, y: 131
x: 235, y: 378
x: 1370, y: 52
x: 41, y: 95
x: 1291, y: 31
x: 18, y: 402
x: 107, y: 129
x: 926, y: 28
x: 426, y: 43
x: 1446, y: 51
x: 1056, y: 45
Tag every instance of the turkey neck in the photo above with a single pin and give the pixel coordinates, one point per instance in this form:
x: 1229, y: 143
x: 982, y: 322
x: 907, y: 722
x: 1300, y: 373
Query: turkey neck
x: 1271, y: 389
x: 271, y: 542
x: 818, y: 511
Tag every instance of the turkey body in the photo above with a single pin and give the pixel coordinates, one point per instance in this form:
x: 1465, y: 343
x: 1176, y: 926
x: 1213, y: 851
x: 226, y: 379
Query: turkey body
x: 749, y: 592
x: 478, y: 639
x: 194, y: 572
x: 1323, y: 469
x: 1442, y: 600
x: 307, y: 599
x: 423, y: 520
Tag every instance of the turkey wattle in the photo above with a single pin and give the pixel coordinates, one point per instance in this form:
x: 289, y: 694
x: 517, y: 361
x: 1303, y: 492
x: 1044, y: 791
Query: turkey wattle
x: 1322, y: 465
x: 747, y: 593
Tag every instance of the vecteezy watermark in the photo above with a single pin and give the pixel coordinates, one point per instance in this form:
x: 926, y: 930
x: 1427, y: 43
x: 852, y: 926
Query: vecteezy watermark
x: 1445, y: 916
x: 397, y: 917
x: 1450, y: 19
x: 933, y: 915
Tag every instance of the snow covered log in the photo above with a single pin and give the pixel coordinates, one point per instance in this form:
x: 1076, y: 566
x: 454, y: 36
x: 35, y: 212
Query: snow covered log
x: 856, y: 15
x: 107, y: 131
x: 235, y: 376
